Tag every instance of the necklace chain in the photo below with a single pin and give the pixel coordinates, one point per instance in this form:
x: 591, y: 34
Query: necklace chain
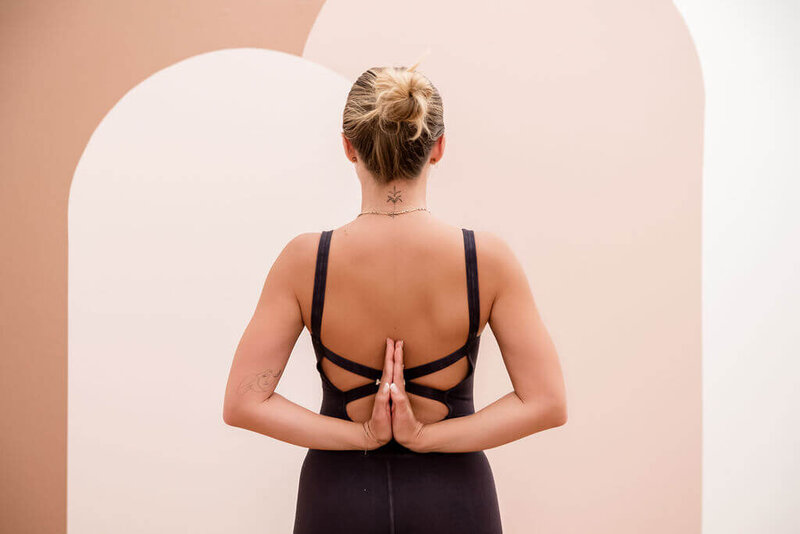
x: 392, y: 213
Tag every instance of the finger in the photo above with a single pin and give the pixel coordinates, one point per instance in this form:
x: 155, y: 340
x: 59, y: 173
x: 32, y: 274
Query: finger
x: 388, y: 367
x: 398, y: 377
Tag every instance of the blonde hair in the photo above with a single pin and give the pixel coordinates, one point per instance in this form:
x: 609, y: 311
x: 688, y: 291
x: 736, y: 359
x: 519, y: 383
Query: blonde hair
x: 393, y: 116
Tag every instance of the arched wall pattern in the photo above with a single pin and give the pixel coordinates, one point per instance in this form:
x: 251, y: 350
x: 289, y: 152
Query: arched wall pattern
x: 750, y: 55
x: 552, y: 125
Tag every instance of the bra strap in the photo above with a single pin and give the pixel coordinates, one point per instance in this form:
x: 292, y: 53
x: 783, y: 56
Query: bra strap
x: 473, y: 296
x: 320, y: 277
x: 428, y: 392
x: 436, y: 365
x: 350, y: 365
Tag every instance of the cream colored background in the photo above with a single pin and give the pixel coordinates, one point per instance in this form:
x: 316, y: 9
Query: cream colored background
x: 588, y: 162
x: 750, y: 55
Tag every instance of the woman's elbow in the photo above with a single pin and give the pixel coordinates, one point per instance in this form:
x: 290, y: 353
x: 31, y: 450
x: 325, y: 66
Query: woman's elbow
x: 552, y: 412
x: 546, y: 412
x: 232, y: 414
x: 558, y: 414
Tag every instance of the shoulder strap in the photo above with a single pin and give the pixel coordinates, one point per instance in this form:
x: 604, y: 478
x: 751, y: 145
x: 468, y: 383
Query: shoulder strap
x: 473, y: 295
x: 320, y: 277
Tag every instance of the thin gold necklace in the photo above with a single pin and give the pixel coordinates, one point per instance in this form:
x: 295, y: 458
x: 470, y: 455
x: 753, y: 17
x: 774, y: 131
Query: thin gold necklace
x: 392, y: 213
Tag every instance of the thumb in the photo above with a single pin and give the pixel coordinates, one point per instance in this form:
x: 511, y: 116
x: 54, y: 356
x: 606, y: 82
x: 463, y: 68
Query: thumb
x: 383, y: 394
x: 398, y: 398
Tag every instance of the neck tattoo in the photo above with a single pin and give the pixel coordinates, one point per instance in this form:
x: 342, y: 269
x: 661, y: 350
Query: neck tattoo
x: 394, y: 196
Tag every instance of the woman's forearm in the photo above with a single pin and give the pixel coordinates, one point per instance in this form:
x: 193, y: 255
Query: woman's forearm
x: 284, y: 420
x: 505, y: 420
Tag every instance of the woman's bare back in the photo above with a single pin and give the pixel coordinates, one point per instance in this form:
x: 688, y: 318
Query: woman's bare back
x: 399, y: 279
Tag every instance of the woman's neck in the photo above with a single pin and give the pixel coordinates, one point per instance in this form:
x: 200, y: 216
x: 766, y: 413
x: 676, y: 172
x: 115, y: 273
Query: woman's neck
x: 397, y: 195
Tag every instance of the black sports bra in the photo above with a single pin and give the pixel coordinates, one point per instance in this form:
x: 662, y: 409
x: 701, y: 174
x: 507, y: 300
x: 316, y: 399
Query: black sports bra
x: 458, y: 398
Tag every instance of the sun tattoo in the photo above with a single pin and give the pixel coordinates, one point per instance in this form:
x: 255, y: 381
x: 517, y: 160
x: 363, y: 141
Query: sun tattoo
x: 263, y: 381
x: 394, y: 196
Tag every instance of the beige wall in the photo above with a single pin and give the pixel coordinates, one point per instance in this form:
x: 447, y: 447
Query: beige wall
x: 64, y: 66
x: 590, y: 164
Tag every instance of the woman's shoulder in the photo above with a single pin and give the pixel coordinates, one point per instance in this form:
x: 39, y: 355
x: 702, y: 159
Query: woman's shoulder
x: 298, y: 246
x: 493, y: 249
x: 298, y: 254
x: 498, y: 264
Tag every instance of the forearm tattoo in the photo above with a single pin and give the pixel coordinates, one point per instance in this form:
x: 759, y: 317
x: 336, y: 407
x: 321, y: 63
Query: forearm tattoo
x: 264, y: 381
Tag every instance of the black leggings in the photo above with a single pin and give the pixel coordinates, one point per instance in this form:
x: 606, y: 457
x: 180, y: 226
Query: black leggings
x: 394, y: 490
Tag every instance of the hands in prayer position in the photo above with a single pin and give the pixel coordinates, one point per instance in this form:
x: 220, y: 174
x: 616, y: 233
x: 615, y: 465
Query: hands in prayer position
x: 395, y: 419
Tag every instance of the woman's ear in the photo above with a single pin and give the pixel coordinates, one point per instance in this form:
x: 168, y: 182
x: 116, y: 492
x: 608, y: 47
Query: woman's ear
x: 438, y: 150
x: 349, y: 151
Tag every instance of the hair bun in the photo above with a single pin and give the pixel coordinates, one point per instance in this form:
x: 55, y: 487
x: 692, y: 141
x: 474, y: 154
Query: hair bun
x: 402, y: 96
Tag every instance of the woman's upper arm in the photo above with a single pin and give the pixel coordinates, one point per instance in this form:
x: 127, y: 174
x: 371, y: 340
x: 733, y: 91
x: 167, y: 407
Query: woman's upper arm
x: 271, y: 333
x: 528, y: 351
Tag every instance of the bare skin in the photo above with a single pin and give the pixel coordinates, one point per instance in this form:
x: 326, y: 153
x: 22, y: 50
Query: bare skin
x: 397, y: 248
